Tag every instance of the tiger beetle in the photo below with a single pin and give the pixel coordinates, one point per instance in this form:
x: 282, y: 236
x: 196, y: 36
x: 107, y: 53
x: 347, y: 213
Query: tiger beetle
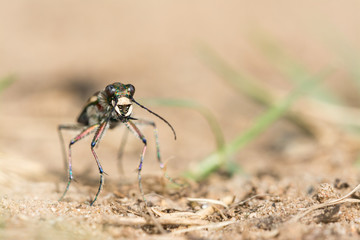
x: 107, y: 109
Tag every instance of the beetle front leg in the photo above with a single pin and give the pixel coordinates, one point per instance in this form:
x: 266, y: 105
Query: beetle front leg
x: 99, y: 133
x: 80, y: 136
x: 134, y: 129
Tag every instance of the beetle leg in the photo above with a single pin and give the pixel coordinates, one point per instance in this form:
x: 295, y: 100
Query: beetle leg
x: 134, y: 129
x: 162, y: 165
x: 121, y: 151
x: 99, y: 133
x: 73, y: 127
x: 80, y: 136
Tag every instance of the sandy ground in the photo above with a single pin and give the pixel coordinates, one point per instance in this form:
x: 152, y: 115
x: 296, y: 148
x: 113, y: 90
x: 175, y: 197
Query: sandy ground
x: 62, y: 52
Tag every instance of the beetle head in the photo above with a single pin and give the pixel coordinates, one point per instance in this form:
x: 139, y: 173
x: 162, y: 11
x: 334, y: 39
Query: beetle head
x: 120, y: 96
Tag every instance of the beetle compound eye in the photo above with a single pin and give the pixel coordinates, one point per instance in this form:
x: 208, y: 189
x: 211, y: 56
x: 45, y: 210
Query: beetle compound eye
x: 110, y: 90
x: 131, y: 89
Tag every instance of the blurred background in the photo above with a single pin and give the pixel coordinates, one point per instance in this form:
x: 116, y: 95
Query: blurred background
x: 230, y: 61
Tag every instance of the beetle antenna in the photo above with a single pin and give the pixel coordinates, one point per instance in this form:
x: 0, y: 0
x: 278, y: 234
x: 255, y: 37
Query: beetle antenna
x: 156, y: 115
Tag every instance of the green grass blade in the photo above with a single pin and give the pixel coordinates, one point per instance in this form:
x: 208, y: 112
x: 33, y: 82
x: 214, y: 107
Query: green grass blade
x: 6, y: 82
x: 242, y: 83
x: 218, y: 158
x: 349, y: 55
x: 290, y: 67
x: 206, y: 113
x: 247, y: 85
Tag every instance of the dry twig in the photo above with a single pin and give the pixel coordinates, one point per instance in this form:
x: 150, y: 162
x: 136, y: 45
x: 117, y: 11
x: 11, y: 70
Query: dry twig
x: 208, y: 226
x: 137, y: 221
x: 210, y: 210
x: 343, y: 199
x: 206, y: 200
